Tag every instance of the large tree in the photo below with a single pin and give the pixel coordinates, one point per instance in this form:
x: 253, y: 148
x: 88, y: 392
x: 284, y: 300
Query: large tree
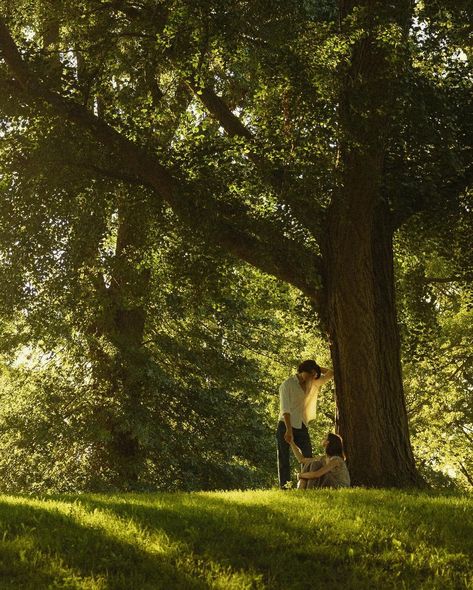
x: 287, y: 134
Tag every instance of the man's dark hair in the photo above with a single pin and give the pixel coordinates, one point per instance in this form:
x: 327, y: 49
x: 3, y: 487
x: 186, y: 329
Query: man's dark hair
x: 335, y: 446
x: 309, y: 366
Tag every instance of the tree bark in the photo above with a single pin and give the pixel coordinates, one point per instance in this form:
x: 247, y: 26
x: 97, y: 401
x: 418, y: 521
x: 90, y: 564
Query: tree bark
x: 360, y: 314
x: 361, y: 322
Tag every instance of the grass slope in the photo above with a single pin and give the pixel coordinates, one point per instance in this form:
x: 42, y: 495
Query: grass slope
x: 343, y: 539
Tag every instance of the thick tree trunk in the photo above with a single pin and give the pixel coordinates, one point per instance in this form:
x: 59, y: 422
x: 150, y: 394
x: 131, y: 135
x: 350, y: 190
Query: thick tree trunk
x: 122, y: 325
x: 358, y: 257
x: 361, y: 321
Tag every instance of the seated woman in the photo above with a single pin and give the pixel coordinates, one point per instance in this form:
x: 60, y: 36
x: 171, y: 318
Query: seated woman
x: 324, y: 472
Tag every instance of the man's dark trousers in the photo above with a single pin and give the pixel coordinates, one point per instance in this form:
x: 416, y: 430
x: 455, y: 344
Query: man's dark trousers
x: 302, y: 440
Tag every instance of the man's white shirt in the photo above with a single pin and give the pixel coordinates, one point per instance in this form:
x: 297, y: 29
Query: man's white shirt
x: 293, y: 400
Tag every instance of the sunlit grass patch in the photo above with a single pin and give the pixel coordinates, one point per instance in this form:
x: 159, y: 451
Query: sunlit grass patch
x: 256, y: 539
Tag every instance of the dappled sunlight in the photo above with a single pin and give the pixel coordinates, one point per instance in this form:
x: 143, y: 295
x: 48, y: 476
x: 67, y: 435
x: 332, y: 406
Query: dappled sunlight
x: 66, y: 539
x: 235, y: 539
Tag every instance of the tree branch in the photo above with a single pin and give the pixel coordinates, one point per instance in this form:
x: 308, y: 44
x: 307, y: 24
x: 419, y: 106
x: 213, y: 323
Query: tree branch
x: 220, y: 111
x: 445, y: 280
x: 466, y: 473
x: 306, y: 210
x: 258, y: 242
x: 451, y: 186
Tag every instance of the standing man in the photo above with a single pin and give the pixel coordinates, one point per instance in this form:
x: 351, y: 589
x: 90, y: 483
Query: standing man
x: 298, y: 405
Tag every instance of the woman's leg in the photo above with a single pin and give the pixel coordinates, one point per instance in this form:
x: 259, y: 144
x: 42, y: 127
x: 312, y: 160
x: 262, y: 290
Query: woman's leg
x: 313, y: 466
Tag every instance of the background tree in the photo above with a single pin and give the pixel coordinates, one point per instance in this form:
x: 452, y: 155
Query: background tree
x: 194, y: 367
x: 435, y: 298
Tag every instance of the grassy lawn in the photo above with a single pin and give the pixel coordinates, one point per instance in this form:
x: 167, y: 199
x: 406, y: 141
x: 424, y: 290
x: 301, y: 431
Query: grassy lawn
x: 328, y: 539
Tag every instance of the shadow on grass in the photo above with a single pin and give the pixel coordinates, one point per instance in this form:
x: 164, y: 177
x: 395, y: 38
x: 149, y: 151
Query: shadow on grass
x: 285, y: 553
x: 209, y: 537
x: 44, y: 548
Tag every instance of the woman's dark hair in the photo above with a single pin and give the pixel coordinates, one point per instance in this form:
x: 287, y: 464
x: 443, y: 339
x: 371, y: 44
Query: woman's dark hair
x: 335, y: 446
x: 309, y: 366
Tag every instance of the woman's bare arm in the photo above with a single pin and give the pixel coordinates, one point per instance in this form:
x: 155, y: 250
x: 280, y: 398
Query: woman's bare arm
x: 298, y: 454
x: 322, y: 471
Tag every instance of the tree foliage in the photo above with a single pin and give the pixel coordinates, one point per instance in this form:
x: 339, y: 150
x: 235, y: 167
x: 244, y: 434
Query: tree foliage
x: 142, y: 145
